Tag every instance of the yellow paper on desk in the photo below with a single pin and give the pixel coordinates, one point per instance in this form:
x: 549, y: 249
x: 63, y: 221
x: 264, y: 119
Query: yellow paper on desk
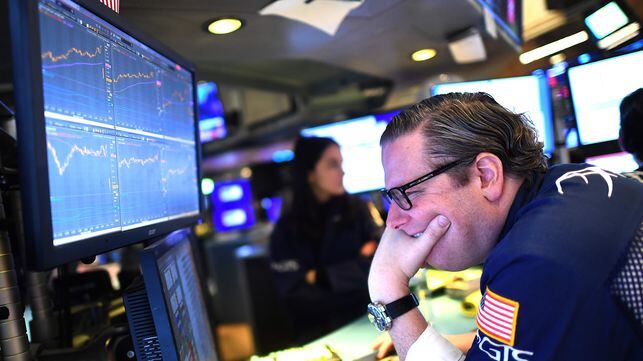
x: 306, y: 353
x: 471, y: 303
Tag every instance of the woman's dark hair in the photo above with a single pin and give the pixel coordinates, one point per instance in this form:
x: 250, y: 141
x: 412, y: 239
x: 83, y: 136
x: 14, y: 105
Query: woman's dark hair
x: 306, y: 209
x: 631, y: 133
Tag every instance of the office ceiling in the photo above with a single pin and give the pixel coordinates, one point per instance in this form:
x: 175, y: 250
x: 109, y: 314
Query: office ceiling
x: 376, y: 40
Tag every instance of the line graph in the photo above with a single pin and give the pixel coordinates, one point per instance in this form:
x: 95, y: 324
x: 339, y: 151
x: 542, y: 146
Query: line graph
x: 139, y: 175
x: 180, y: 178
x: 82, y: 179
x: 136, y: 92
x: 73, y: 69
x: 84, y: 151
x: 56, y: 58
x: 177, y: 106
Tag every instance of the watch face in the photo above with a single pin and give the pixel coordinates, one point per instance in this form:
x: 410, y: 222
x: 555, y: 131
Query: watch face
x: 377, y: 316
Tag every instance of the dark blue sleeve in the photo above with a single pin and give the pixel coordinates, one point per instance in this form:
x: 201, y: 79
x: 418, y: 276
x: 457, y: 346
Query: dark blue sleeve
x: 286, y: 265
x: 562, y: 311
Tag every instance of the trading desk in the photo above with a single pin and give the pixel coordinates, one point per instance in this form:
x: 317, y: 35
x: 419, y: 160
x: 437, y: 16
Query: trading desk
x: 353, y: 341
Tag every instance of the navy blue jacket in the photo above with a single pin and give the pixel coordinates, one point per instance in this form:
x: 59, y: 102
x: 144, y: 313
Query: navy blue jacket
x: 547, y: 283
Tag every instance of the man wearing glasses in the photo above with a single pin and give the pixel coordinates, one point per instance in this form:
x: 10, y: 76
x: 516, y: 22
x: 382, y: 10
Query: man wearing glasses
x: 561, y: 246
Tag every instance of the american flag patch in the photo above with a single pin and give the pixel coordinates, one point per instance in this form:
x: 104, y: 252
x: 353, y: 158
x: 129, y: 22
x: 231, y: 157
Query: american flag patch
x: 112, y: 4
x: 497, y: 317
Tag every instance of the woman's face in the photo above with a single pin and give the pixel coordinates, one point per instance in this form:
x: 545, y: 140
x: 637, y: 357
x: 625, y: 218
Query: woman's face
x: 326, y: 179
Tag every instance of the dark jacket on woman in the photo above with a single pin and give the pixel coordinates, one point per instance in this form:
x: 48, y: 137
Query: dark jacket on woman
x: 332, y: 248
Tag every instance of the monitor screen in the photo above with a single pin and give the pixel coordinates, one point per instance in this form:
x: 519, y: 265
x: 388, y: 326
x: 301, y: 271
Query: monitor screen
x: 606, y: 20
x: 597, y: 90
x: 107, y: 132
x: 359, y: 141
x: 524, y: 94
x: 616, y: 162
x: 171, y: 264
x: 232, y: 207
x: 211, y: 122
x: 508, y: 15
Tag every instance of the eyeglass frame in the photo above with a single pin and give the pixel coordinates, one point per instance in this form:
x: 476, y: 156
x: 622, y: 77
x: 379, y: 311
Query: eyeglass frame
x: 413, y: 183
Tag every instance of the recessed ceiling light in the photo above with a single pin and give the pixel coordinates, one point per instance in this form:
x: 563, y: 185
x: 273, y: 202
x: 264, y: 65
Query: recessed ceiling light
x: 423, y: 54
x: 224, y: 26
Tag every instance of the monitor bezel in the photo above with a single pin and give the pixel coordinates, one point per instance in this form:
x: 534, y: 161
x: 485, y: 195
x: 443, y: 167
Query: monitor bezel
x: 25, y: 36
x: 571, y: 93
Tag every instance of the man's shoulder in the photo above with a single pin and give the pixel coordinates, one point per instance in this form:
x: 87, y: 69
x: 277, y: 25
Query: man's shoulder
x: 570, y: 225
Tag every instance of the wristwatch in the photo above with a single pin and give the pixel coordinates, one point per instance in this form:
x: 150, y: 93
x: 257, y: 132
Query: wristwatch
x: 382, y: 316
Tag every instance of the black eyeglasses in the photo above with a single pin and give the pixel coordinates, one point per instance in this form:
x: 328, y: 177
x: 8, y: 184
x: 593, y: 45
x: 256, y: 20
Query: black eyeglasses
x: 398, y: 194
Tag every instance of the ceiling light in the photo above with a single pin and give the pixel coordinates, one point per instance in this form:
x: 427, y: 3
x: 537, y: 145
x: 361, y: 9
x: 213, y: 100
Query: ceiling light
x: 423, y: 54
x: 552, y: 48
x: 224, y: 26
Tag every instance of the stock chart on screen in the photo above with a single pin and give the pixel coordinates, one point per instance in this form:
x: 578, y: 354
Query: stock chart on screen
x: 120, y: 133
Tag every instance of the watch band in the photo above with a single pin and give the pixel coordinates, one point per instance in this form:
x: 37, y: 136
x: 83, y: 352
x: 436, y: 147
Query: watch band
x: 401, y: 306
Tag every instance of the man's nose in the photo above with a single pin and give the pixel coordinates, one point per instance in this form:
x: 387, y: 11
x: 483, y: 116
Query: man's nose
x: 396, y: 217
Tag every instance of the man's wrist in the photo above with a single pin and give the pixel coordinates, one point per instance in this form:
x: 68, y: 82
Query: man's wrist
x: 388, y: 293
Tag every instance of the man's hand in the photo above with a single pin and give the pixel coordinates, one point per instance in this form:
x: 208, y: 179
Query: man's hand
x: 399, y: 257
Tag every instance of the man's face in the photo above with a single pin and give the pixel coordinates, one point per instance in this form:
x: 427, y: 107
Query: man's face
x: 474, y: 222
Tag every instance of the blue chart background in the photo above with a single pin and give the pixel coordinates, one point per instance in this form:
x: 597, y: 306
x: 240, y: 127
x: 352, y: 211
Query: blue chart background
x: 177, y: 107
x: 136, y: 98
x: 72, y: 69
x: 80, y: 184
x: 141, y: 190
x: 179, y: 172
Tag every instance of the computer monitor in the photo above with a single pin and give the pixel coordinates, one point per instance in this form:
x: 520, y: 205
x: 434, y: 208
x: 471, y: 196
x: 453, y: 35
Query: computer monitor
x: 211, y: 121
x: 619, y: 162
x: 508, y: 15
x: 524, y: 94
x: 606, y: 20
x: 107, y: 131
x: 597, y: 89
x: 359, y: 141
x: 178, y: 311
x: 232, y: 207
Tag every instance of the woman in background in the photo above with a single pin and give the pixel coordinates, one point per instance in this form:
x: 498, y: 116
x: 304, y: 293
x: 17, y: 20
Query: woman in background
x: 321, y: 248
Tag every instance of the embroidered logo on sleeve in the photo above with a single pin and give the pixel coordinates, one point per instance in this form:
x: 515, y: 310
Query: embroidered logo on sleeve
x: 497, y: 317
x: 583, y: 173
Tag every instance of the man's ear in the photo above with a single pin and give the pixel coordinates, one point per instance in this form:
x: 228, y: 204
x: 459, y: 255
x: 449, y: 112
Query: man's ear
x: 489, y: 171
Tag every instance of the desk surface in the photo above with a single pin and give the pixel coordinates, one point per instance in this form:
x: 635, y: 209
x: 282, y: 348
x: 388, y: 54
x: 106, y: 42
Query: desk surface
x: 353, y: 341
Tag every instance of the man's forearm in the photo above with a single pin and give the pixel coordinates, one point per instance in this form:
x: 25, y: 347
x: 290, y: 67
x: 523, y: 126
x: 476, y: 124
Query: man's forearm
x: 406, y: 330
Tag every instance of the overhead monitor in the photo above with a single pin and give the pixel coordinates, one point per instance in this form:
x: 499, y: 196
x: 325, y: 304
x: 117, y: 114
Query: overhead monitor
x: 211, y: 121
x: 508, y: 15
x: 619, y: 162
x: 359, y: 141
x: 232, y: 207
x: 606, y: 20
x: 107, y: 131
x: 524, y: 94
x: 177, y: 308
x: 597, y: 89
